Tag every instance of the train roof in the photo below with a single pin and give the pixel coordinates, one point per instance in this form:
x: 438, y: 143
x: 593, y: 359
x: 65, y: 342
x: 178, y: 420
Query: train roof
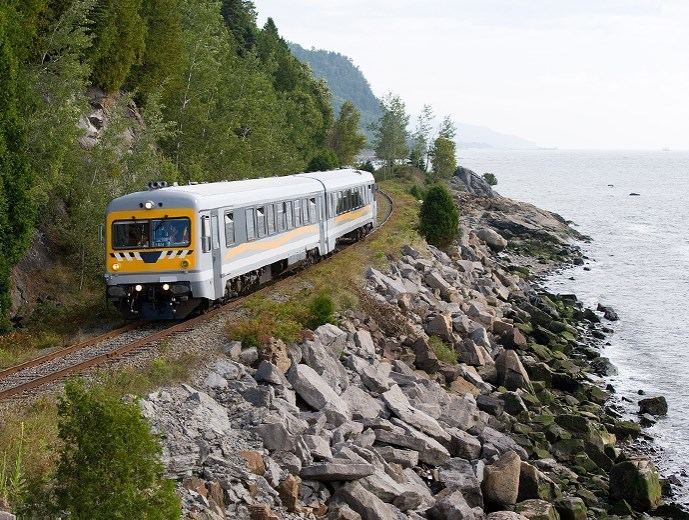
x: 244, y: 192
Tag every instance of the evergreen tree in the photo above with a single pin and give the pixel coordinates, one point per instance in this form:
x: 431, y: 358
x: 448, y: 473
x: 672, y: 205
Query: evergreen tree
x: 323, y: 161
x: 160, y: 67
x: 439, y: 217
x: 109, y: 461
x: 444, y: 151
x: 391, y: 131
x: 16, y: 176
x: 240, y: 18
x: 119, y: 41
x: 345, y: 138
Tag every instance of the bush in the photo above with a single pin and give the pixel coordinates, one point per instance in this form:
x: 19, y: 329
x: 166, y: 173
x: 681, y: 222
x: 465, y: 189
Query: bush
x: 322, y: 311
x: 417, y: 192
x: 367, y: 167
x: 110, y: 462
x: 442, y: 350
x: 324, y: 160
x: 439, y: 217
x: 490, y: 179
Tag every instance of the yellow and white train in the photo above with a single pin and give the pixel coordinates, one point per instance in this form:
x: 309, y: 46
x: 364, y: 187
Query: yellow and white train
x: 173, y: 250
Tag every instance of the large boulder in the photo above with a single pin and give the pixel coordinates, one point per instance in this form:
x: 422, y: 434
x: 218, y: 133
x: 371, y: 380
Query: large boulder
x: 313, y: 389
x: 511, y: 372
x: 368, y: 505
x: 494, y: 240
x: 466, y: 180
x: 501, y: 480
x: 571, y: 508
x: 653, y: 405
x: 400, y: 406
x: 637, y: 481
x: 452, y: 506
x: 505, y: 515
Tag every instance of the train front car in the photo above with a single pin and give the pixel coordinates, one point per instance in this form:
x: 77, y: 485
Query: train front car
x: 152, y: 265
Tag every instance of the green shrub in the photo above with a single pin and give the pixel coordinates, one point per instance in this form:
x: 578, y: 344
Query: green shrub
x: 367, y: 167
x: 439, y: 219
x: 322, y: 311
x: 417, y: 192
x: 443, y: 351
x: 110, y: 461
x: 490, y: 179
x: 12, y: 484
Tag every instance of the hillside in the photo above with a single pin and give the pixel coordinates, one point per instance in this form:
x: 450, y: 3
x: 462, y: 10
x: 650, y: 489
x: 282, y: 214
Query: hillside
x: 345, y: 80
x: 475, y: 136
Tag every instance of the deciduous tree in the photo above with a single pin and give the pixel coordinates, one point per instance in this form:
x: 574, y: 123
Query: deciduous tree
x: 345, y: 138
x: 391, y: 131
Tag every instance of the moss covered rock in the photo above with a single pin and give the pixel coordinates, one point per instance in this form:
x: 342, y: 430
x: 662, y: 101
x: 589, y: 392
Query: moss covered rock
x: 637, y: 481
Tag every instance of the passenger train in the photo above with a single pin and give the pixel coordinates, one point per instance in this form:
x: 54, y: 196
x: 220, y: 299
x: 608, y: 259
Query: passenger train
x: 174, y: 250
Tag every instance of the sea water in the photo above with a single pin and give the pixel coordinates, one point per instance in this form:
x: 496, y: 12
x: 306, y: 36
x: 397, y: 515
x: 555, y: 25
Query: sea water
x: 639, y: 261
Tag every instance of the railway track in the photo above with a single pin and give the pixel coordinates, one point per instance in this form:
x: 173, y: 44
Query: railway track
x: 116, y: 343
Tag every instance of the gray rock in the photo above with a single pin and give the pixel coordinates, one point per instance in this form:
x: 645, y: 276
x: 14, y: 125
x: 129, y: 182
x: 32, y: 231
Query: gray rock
x: 505, y: 515
x: 501, y: 442
x: 402, y: 408
x: 326, y: 362
x: 313, y: 389
x: 468, y: 181
x: 337, y: 470
x: 458, y: 474
x: 248, y: 356
x: 318, y: 447
x: 537, y: 510
x: 405, y: 458
x: 494, y: 240
x: 393, y: 287
x: 501, y: 480
x: 436, y: 281
x: 361, y: 404
x: 382, y: 485
x: 511, y: 372
x: 332, y: 337
x: 407, y: 501
x: 369, y: 506
x: 375, y: 377
x: 440, y: 325
x: 513, y: 403
x: 461, y: 412
x: 364, y: 342
x: 425, y: 358
x: 653, y: 405
x: 452, y: 506
x: 215, y: 381
x: 463, y: 444
x: 267, y: 372
x: 430, y: 451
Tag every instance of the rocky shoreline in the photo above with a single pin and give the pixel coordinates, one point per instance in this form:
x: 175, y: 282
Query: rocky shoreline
x: 459, y: 389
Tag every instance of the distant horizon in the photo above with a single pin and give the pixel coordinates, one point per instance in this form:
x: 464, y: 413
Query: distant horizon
x: 599, y: 75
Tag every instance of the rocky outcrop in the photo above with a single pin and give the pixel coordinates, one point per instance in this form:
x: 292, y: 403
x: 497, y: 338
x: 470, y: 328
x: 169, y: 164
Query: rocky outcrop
x: 461, y: 391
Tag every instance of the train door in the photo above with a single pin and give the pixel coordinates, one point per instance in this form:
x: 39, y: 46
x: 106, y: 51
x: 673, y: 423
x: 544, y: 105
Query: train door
x: 216, y: 252
x: 322, y: 215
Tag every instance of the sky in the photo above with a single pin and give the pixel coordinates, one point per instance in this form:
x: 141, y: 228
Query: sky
x: 587, y: 74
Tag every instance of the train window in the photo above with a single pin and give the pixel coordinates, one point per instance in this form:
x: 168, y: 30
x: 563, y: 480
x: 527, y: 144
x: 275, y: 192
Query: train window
x: 229, y: 229
x: 289, y: 223
x: 297, y: 213
x: 280, y: 216
x: 261, y: 222
x: 270, y: 217
x: 130, y: 234
x: 332, y: 206
x: 305, y: 211
x: 250, y: 225
x: 313, y: 210
x: 341, y: 207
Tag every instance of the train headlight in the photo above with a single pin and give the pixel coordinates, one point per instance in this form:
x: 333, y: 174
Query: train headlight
x: 138, y: 288
x: 185, y: 264
x: 149, y: 204
x: 166, y: 287
x: 115, y: 266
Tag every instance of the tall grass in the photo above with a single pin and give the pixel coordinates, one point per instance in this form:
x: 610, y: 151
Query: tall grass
x: 12, y: 481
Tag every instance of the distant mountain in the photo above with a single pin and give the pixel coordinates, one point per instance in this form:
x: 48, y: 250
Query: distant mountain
x: 474, y: 136
x: 346, y: 82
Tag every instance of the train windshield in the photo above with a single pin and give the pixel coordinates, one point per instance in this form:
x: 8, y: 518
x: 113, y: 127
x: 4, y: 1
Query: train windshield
x: 170, y: 232
x: 141, y: 234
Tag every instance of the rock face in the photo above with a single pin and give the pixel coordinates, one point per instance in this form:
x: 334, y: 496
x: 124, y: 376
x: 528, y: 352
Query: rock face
x: 637, y: 481
x: 467, y: 180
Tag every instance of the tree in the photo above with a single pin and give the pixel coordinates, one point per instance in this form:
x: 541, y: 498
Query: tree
x: 17, y: 209
x: 390, y: 140
x: 119, y: 41
x: 444, y: 151
x: 490, y: 178
x: 323, y: 161
x: 421, y: 139
x: 439, y: 217
x: 240, y: 18
x: 161, y: 61
x: 345, y: 138
x: 109, y: 460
